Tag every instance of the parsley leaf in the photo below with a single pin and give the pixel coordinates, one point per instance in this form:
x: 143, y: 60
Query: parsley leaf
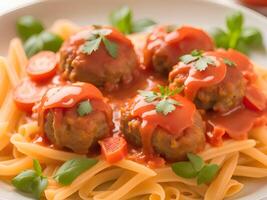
x: 195, y: 168
x: 165, y: 104
x: 237, y: 36
x: 149, y: 95
x: 122, y: 19
x: 94, y: 40
x: 111, y: 47
x: 71, y: 169
x: 31, y: 181
x: 229, y: 62
x: 201, y: 61
x: 91, y: 46
x: 84, y: 108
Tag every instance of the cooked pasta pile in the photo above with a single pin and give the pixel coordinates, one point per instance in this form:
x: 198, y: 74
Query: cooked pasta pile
x: 126, y: 179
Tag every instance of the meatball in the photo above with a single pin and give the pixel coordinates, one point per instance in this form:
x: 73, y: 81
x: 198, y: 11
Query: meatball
x: 169, y: 146
x: 164, y: 47
x: 108, y: 64
x: 221, y: 96
x: 75, y: 122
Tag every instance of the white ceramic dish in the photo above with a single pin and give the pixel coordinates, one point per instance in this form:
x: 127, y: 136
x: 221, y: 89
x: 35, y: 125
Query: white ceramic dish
x: 206, y: 14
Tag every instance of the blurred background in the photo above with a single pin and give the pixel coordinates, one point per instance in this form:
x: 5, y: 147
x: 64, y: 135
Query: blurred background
x: 258, y: 5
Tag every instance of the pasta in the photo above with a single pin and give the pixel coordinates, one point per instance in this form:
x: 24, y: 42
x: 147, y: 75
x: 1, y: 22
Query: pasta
x: 125, y: 179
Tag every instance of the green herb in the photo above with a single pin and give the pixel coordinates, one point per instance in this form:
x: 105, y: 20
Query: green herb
x: 207, y: 174
x: 142, y: 25
x: 196, y: 168
x: 44, y: 41
x: 91, y: 46
x: 51, y: 41
x: 237, y: 36
x: 93, y: 43
x: 111, y: 47
x: 201, y: 61
x: 84, y: 108
x: 165, y: 104
x: 71, y: 169
x: 196, y: 161
x: 28, y: 26
x: 184, y: 169
x: 229, y: 62
x: 31, y: 181
x: 122, y: 19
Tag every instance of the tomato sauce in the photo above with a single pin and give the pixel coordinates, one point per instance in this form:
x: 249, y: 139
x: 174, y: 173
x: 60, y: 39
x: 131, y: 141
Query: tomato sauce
x: 67, y: 96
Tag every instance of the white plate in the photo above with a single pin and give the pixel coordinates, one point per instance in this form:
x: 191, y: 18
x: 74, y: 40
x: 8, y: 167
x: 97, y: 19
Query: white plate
x: 205, y: 14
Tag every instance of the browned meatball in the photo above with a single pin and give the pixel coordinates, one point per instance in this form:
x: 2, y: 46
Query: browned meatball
x: 164, y: 47
x: 167, y: 145
x: 75, y: 116
x: 219, y: 97
x: 102, y: 67
x: 80, y: 134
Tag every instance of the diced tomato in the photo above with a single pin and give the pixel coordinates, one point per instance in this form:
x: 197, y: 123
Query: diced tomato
x: 42, y: 66
x: 27, y: 93
x: 254, y: 99
x: 215, y: 138
x: 113, y: 148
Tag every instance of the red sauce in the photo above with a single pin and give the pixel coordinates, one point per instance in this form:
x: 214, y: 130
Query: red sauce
x: 68, y: 96
x: 194, y: 79
x: 241, y: 61
x: 170, y: 122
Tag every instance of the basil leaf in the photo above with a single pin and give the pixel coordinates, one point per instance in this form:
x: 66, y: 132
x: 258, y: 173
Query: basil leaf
x: 111, y: 47
x: 51, y: 41
x: 184, y: 169
x: 221, y: 38
x: 235, y: 21
x: 84, y: 108
x: 37, y: 167
x: 71, y: 169
x: 196, y: 161
x: 33, y: 45
x: 25, y: 180
x: 39, y: 185
x: 122, y: 19
x: 207, y: 173
x: 28, y: 26
x: 91, y: 46
x: 252, y: 36
x: 142, y: 25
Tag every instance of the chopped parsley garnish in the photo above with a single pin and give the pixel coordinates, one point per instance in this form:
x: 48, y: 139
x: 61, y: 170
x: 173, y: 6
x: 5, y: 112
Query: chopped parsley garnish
x: 84, y: 108
x: 196, y: 168
x: 229, y: 63
x: 122, y: 19
x: 201, y: 61
x: 165, y: 104
x: 31, y: 181
x: 237, y: 36
x: 94, y: 41
x: 71, y: 169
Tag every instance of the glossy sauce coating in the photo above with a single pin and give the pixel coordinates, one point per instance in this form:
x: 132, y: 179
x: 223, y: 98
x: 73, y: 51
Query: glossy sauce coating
x: 175, y: 122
